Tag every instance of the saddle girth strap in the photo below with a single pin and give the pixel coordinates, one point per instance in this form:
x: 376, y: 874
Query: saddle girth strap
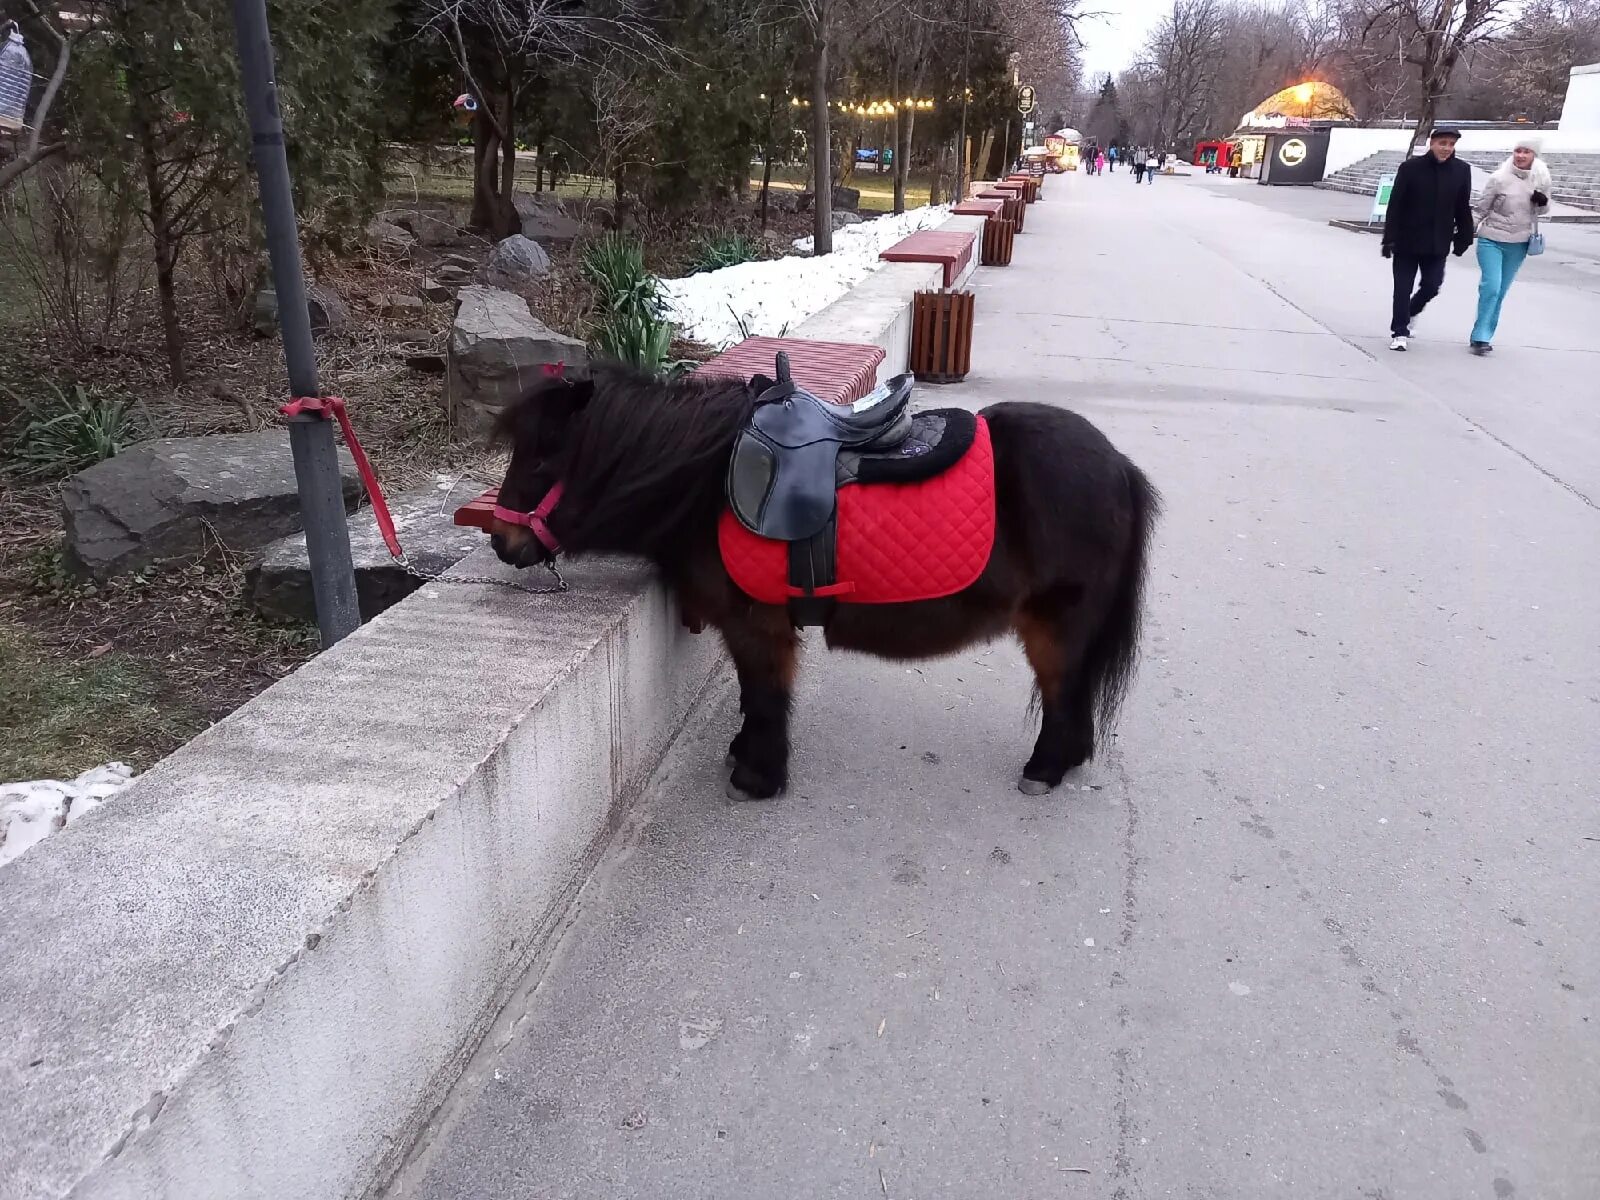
x: 814, y: 577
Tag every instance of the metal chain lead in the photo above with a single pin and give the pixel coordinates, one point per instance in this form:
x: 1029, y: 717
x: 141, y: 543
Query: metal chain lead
x: 560, y: 584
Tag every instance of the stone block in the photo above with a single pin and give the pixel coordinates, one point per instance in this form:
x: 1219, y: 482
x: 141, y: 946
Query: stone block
x: 545, y: 221
x: 165, y: 500
x: 279, y: 585
x: 387, y: 238
x: 430, y: 229
x: 496, y: 351
x: 396, y: 305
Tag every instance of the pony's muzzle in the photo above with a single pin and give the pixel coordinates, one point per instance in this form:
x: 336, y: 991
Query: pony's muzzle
x: 517, y: 547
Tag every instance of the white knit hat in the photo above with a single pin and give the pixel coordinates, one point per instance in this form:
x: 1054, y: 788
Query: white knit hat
x: 1530, y: 142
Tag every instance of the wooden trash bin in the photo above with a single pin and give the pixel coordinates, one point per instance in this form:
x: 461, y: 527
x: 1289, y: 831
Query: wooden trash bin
x: 941, y: 335
x: 999, y: 239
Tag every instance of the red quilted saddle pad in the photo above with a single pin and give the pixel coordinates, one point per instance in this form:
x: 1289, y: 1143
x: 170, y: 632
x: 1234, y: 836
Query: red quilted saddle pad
x: 897, y: 542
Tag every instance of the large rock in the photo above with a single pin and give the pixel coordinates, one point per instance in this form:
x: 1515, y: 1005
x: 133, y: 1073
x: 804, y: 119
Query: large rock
x: 327, y: 310
x: 279, y: 585
x: 430, y: 229
x: 546, y: 222
x: 165, y: 500
x: 497, y: 349
x: 841, y: 219
x: 387, y: 238
x: 516, y: 262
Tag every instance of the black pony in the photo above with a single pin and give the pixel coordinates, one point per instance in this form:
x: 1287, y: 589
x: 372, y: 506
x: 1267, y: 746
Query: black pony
x: 626, y: 464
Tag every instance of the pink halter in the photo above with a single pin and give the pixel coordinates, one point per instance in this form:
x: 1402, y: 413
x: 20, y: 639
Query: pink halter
x: 538, y: 520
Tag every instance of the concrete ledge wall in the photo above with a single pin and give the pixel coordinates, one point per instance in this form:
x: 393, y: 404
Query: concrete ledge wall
x: 257, y: 971
x: 877, y: 311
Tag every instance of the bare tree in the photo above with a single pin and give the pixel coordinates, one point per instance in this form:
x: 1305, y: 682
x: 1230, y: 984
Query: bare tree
x: 1184, y: 57
x: 1431, y: 36
x: 499, y: 45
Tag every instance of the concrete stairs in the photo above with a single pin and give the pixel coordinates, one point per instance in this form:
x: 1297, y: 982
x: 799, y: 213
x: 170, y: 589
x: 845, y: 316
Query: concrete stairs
x: 1575, y: 177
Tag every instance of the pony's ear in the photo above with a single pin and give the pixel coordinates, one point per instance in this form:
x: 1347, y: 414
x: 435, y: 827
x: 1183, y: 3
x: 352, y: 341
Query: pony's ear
x: 759, y: 384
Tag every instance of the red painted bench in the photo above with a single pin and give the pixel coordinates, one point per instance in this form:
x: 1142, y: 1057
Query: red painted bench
x: 980, y: 208
x: 478, y: 513
x: 953, y: 251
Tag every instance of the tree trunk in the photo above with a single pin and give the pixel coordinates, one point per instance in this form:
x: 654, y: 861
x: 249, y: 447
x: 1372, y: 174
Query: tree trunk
x: 766, y: 158
x: 163, y: 238
x: 508, y: 221
x: 821, y: 173
x: 485, y: 152
x: 985, y: 149
x: 902, y: 139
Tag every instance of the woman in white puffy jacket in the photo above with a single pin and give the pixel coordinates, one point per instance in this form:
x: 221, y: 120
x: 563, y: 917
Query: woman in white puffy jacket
x: 1508, y: 209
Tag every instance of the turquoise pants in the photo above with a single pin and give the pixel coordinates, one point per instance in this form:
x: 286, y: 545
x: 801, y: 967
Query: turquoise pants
x: 1499, y: 263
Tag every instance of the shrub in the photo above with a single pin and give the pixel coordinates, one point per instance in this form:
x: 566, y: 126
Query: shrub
x: 722, y: 250
x: 632, y: 328
x: 63, y: 430
x: 614, y: 264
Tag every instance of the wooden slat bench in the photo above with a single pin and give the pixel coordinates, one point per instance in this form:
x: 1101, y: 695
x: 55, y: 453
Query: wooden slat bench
x: 838, y: 372
x: 980, y: 208
x: 1015, y: 205
x: 952, y: 251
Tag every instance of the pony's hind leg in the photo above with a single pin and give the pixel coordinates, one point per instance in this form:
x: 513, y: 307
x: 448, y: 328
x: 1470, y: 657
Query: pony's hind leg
x: 1055, y: 637
x: 764, y: 648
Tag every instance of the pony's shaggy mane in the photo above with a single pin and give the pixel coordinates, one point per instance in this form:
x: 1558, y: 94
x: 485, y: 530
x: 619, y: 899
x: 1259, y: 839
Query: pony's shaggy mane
x: 643, y: 461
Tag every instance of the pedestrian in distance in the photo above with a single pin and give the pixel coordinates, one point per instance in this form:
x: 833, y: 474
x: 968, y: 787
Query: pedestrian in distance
x: 1508, y: 211
x: 1141, y: 157
x: 1157, y: 161
x: 1430, y: 215
x: 1111, y: 159
x: 1100, y: 163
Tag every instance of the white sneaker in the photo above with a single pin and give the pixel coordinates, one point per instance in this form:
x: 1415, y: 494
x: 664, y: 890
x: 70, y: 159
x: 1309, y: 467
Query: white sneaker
x: 1397, y: 343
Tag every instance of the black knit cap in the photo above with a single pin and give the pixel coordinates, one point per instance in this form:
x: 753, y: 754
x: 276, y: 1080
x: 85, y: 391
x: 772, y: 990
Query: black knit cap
x: 1445, y: 131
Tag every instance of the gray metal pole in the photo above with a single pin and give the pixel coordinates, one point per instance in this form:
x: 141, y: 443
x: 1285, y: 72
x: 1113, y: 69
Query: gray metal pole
x: 316, y: 457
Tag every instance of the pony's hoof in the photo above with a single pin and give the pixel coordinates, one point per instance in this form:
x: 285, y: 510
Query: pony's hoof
x: 1034, y: 787
x: 739, y: 795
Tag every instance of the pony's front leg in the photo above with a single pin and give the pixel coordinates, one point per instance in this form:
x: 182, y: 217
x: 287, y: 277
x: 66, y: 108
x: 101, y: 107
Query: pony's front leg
x: 765, y: 649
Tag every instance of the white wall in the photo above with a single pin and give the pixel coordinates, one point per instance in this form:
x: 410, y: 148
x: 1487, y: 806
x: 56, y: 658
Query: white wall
x: 1580, y: 112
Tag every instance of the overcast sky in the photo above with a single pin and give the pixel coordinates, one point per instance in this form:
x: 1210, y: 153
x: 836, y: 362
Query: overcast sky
x: 1111, y: 42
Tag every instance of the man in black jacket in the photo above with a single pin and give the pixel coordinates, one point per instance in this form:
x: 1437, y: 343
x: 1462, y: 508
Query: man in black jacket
x: 1430, y: 214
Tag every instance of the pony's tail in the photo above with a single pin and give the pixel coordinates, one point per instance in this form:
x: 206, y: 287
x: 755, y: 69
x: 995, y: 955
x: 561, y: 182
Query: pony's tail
x: 1113, y: 652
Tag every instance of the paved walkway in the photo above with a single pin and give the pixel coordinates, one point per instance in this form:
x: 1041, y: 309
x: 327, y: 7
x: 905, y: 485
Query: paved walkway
x: 1323, y: 924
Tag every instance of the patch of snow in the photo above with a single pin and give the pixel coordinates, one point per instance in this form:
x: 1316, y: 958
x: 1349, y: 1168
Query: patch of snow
x: 32, y: 811
x: 768, y: 299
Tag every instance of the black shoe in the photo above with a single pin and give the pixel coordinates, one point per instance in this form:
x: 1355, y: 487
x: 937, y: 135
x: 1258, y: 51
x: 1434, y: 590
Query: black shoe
x: 1481, y: 348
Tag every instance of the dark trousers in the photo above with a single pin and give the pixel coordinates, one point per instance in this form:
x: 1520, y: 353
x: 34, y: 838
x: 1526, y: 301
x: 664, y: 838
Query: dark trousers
x: 1406, y: 269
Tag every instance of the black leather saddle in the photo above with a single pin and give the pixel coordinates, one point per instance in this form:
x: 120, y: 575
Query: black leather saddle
x: 797, y: 451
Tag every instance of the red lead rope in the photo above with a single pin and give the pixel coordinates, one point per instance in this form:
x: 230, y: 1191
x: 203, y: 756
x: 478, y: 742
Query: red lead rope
x: 322, y: 406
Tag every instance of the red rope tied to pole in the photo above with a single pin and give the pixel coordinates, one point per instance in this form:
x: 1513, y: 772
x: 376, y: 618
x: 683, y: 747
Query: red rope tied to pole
x: 323, y: 406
